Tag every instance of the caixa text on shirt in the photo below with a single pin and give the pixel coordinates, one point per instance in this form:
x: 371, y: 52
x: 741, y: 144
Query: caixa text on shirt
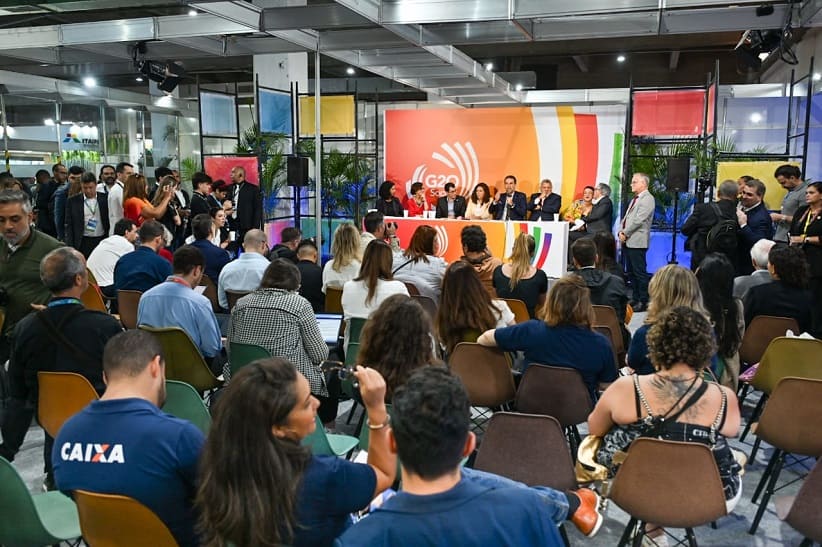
x: 92, y: 453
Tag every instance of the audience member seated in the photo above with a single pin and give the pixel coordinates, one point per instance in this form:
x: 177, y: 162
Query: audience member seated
x: 143, y: 268
x: 479, y: 204
x: 760, y: 275
x: 346, y: 261
x: 260, y: 486
x: 175, y: 303
x: 388, y: 205
x: 137, y: 207
x: 287, y: 247
x: 395, y: 356
x: 215, y: 258
x: 671, y: 286
x: 674, y: 403
x: 64, y: 337
x: 716, y: 279
x: 245, y: 273
x: 377, y: 228
x: 562, y: 336
x: 104, y: 257
x: 520, y: 280
x: 278, y: 319
x: 475, y: 252
x: 420, y: 265
x: 311, y: 275
x: 363, y: 295
x: 147, y: 454
x: 606, y: 289
x: 606, y: 254
x: 442, y: 503
x: 787, y: 295
x: 466, y: 309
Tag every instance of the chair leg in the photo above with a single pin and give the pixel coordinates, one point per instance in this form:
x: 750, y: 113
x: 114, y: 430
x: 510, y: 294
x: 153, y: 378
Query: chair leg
x: 742, y: 393
x: 754, y: 416
x: 351, y: 414
x: 626, y: 534
x: 755, y: 448
x: 768, y: 492
x: 689, y: 534
x: 640, y: 533
x: 765, y: 475
x: 807, y: 542
x: 564, y: 535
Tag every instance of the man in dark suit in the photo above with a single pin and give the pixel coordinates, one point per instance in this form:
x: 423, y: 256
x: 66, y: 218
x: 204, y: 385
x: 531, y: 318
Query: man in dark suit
x: 45, y: 220
x: 544, y: 205
x: 451, y: 205
x: 754, y: 223
x: 511, y: 205
x: 601, y: 217
x: 87, y: 217
x: 311, y: 275
x: 705, y: 217
x: 248, y: 203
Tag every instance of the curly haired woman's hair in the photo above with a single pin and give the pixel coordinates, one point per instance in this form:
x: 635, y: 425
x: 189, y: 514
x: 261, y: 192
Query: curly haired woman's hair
x: 248, y: 476
x: 568, y: 303
x: 681, y: 335
x: 673, y: 286
x: 396, y: 340
x: 464, y: 305
x: 521, y: 255
x: 421, y: 245
x: 716, y: 282
x: 376, y: 265
x: 789, y: 265
x: 486, y: 197
x: 345, y: 247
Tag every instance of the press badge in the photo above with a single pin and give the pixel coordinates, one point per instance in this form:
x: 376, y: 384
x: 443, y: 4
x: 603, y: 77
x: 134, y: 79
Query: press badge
x: 91, y: 225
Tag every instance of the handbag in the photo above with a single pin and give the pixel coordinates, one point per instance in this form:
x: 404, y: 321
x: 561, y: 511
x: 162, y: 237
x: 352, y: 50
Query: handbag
x: 587, y: 469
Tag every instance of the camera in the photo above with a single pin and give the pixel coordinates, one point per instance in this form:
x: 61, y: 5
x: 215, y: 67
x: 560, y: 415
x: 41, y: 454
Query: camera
x: 390, y: 225
x: 344, y: 372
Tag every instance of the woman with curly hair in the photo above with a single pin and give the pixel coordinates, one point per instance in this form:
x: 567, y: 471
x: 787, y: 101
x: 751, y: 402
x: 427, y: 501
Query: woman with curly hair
x: 396, y: 357
x: 520, y: 279
x: 673, y: 403
x: 479, y: 203
x: 346, y: 261
x: 419, y: 265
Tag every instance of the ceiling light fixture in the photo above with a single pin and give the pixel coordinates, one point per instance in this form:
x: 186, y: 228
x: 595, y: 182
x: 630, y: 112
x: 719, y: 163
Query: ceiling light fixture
x: 192, y: 12
x: 817, y: 76
x: 139, y: 78
x: 518, y: 87
x: 621, y: 59
x: 489, y: 66
x: 88, y: 81
x: 350, y: 71
x: 48, y: 121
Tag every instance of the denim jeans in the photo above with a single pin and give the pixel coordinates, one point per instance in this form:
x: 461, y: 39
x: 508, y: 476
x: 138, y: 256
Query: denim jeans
x: 637, y: 273
x: 557, y: 501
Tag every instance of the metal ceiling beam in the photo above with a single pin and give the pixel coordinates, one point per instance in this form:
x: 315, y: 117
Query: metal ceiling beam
x: 317, y: 17
x: 374, y: 38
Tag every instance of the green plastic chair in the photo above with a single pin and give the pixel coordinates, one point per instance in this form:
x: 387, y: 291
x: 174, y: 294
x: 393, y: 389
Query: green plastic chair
x: 183, y: 401
x: 39, y: 519
x: 329, y: 444
x: 239, y: 355
x: 183, y: 360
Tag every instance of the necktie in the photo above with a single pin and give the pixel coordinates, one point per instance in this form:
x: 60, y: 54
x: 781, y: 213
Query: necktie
x: 630, y: 208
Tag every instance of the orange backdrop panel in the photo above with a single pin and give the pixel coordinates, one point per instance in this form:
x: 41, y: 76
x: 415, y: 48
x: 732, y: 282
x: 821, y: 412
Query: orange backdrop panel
x: 448, y: 234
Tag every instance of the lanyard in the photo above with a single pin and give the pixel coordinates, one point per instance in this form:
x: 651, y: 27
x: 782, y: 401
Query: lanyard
x: 180, y: 280
x: 810, y: 217
x: 63, y: 302
x: 89, y: 209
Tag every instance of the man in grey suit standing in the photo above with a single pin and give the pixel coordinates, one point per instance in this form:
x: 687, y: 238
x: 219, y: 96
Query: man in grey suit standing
x: 635, y: 236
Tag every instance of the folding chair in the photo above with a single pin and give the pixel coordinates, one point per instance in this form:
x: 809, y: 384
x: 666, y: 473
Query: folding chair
x: 233, y: 296
x: 758, y: 335
x: 108, y: 520
x: 183, y: 359
x: 239, y: 355
x: 606, y: 316
x: 428, y: 305
x: 92, y: 298
x: 329, y: 444
x: 486, y: 374
x: 183, y: 401
x: 333, y: 300
x: 518, y: 308
x: 61, y: 395
x: 804, y: 511
x: 210, y: 292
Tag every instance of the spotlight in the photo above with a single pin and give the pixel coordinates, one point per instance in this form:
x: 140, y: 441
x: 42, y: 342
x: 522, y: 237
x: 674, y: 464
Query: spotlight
x: 192, y: 12
x: 167, y: 75
x: 620, y: 58
x: 764, y: 10
x: 350, y: 71
x: 489, y: 66
x: 88, y: 81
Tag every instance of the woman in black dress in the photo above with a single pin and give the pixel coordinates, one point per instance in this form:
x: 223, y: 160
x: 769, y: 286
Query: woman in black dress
x: 806, y: 232
x: 387, y: 204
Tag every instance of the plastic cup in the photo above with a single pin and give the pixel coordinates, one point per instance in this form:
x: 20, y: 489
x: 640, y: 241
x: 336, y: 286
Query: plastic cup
x: 405, y: 213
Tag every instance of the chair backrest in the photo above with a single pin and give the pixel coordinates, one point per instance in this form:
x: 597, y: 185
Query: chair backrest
x: 428, y: 305
x: 184, y: 402
x: 554, y: 391
x: 546, y: 462
x: 233, y: 296
x: 92, y: 298
x: 518, y: 308
x: 605, y: 315
x: 412, y: 289
x: 210, y: 292
x: 608, y: 333
x: 760, y: 332
x: 798, y: 357
x: 351, y: 353
x: 485, y: 373
x: 790, y: 419
x: 183, y: 359
x: 805, y: 514
x: 355, y: 325
x: 239, y: 355
x: 127, y: 304
x: 670, y: 483
x: 108, y: 520
x: 333, y: 300
x: 20, y: 524
x: 317, y: 441
x: 61, y: 395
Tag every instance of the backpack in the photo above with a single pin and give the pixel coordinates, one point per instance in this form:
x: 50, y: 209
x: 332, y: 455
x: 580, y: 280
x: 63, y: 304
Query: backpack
x: 721, y: 238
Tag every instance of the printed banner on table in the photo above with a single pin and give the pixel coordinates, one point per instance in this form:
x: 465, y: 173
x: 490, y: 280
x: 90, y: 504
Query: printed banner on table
x: 574, y: 147
x: 219, y: 167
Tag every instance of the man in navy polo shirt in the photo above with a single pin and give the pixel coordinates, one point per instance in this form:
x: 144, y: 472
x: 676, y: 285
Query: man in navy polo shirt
x: 142, y: 269
x: 124, y: 444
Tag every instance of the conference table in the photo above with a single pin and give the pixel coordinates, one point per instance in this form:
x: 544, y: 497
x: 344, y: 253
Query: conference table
x: 551, y: 254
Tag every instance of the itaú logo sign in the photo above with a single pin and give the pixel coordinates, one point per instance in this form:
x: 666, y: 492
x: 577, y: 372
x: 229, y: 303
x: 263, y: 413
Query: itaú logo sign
x: 455, y: 163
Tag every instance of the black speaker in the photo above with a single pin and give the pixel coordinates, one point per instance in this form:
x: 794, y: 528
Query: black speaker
x: 679, y: 170
x: 297, y: 171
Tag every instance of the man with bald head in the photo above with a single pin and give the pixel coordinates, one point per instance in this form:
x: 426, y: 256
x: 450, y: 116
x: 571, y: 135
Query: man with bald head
x: 63, y: 337
x: 248, y: 203
x: 245, y: 273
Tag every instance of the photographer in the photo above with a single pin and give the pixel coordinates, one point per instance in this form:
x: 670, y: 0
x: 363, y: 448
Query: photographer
x: 377, y: 228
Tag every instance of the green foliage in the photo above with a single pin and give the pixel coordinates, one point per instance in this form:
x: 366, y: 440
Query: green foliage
x: 188, y: 166
x: 270, y: 148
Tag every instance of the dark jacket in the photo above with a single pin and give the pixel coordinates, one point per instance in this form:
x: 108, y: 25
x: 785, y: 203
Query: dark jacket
x: 282, y: 251
x: 813, y: 252
x: 57, y: 209
x: 547, y: 209
x: 215, y: 258
x: 601, y: 217
x: 516, y: 210
x: 700, y: 223
x: 311, y: 284
x: 391, y: 208
x: 759, y: 226
x: 248, y: 201
x: 45, y: 219
x: 607, y: 290
x: 75, y: 215
x: 779, y: 300
x: 459, y: 207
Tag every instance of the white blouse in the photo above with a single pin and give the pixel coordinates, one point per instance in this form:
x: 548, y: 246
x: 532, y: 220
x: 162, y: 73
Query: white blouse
x: 478, y: 211
x: 333, y: 278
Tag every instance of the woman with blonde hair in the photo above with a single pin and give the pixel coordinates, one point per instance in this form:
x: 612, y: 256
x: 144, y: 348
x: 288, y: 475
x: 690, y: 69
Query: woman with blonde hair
x: 346, y: 261
x: 420, y: 265
x: 520, y: 280
x: 137, y: 207
x: 671, y: 286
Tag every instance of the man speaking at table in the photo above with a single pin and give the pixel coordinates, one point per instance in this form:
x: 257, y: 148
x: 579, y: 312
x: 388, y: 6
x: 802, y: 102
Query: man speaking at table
x: 512, y: 204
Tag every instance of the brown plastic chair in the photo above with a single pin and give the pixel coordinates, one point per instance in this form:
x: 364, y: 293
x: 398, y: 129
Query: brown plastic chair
x: 669, y: 483
x: 92, y: 298
x: 333, y: 300
x: 108, y: 520
x: 428, y: 305
x: 412, y: 289
x: 558, y: 392
x: 762, y: 330
x: 210, y: 292
x: 61, y: 395
x: 233, y: 296
x: 184, y: 362
x: 606, y: 332
x: 804, y: 511
x: 790, y: 423
x: 518, y: 308
x: 486, y: 374
x: 605, y: 315
x: 127, y: 304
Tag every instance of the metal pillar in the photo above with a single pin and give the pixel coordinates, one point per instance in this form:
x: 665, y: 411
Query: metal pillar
x: 318, y: 210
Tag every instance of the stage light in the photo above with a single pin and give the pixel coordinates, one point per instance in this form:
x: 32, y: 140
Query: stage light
x: 167, y: 75
x: 621, y: 59
x: 350, y: 71
x: 88, y: 81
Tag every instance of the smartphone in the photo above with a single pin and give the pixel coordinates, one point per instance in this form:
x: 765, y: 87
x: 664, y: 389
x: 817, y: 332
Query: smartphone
x: 343, y: 371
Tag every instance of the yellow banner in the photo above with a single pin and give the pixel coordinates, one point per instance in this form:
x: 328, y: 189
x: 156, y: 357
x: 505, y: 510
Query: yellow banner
x: 762, y: 170
x: 336, y: 115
